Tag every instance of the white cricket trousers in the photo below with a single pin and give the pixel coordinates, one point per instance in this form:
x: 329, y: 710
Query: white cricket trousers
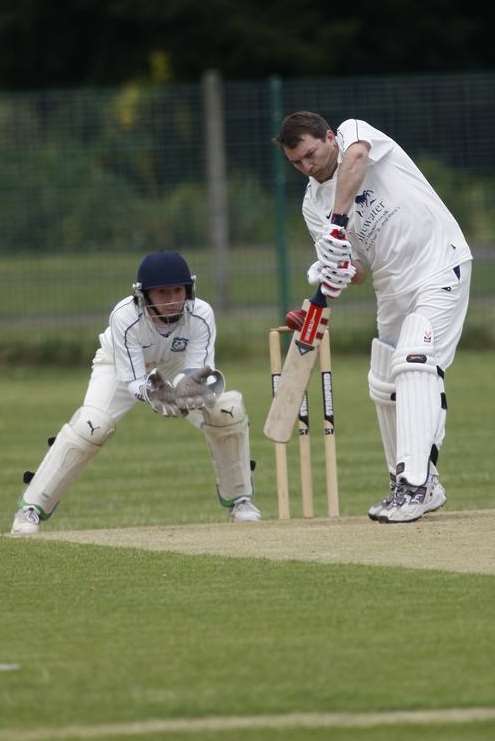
x: 444, y: 302
x: 107, y: 393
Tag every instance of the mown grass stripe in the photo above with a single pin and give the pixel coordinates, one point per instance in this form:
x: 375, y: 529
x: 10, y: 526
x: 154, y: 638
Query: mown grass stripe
x: 288, y: 721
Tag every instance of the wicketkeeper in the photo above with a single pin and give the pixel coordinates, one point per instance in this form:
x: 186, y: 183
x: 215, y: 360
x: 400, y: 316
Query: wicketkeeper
x: 157, y: 350
x: 369, y: 208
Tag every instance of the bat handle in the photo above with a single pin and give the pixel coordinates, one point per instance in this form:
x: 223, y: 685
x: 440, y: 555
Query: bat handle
x: 318, y: 299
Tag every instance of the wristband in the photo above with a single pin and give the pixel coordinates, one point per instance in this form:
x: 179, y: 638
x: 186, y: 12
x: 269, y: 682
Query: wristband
x: 340, y: 220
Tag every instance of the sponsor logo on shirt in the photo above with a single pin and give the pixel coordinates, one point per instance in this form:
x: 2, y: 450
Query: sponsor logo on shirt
x: 179, y: 344
x: 374, y: 214
x: 364, y: 200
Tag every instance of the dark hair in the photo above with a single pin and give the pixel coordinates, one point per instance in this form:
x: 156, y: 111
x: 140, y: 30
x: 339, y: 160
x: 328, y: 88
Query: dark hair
x: 297, y: 124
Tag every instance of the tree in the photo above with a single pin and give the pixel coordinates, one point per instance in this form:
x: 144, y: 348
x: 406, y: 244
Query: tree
x: 67, y: 43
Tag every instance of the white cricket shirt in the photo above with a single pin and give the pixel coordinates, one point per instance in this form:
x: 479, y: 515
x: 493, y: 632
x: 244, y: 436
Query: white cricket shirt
x: 398, y: 226
x: 135, y: 344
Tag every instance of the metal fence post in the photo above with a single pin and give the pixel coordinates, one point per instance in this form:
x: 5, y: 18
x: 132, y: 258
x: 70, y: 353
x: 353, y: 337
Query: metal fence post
x: 280, y: 199
x: 217, y: 182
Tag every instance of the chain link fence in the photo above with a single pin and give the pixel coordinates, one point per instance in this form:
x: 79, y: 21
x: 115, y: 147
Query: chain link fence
x: 92, y: 180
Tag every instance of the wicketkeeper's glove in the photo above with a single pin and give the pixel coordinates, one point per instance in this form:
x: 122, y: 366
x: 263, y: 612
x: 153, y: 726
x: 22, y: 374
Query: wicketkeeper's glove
x: 160, y: 395
x: 199, y: 388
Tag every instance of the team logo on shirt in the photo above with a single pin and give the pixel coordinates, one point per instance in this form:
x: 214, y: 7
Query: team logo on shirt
x: 364, y: 200
x: 179, y: 344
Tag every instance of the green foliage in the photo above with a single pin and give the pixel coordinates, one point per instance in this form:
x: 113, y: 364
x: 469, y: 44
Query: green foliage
x: 55, y: 206
x: 470, y: 197
x: 92, y: 202
x: 123, y: 170
x: 89, y: 42
x: 181, y: 216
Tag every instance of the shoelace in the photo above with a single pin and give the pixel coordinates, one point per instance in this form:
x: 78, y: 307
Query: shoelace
x: 406, y: 493
x: 245, y: 506
x: 402, y: 491
x: 390, y: 496
x: 32, y: 516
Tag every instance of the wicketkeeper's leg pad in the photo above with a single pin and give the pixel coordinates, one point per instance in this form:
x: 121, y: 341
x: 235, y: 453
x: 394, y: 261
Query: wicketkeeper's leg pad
x: 226, y: 429
x: 382, y: 392
x: 420, y: 400
x: 75, y: 445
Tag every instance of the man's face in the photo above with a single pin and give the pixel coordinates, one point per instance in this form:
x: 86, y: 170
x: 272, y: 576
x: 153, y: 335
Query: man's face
x: 314, y: 157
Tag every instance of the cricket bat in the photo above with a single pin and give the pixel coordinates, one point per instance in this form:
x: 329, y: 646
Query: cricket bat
x: 296, y: 371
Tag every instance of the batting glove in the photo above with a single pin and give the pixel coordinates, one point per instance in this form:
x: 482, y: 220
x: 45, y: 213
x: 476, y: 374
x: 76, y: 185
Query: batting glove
x: 331, y: 278
x: 335, y: 280
x: 334, y: 247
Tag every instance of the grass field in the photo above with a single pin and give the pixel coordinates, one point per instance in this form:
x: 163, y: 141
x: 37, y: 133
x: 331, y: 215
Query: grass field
x: 116, y: 642
x: 75, y: 294
x: 60, y: 282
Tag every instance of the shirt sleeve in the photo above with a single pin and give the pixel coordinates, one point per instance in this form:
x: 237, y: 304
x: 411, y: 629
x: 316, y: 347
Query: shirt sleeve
x: 353, y: 130
x: 311, y: 217
x: 128, y: 353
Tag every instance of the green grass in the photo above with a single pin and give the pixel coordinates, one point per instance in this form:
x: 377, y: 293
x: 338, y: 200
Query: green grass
x: 136, y: 478
x: 106, y: 635
x: 90, y: 283
x: 288, y: 634
x: 112, y: 634
x: 53, y: 307
x: 461, y: 732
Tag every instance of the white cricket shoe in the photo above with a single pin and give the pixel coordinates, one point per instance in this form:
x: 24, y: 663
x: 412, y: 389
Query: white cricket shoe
x: 376, y: 509
x: 26, y: 522
x: 243, y: 510
x: 438, y: 496
x: 410, y: 503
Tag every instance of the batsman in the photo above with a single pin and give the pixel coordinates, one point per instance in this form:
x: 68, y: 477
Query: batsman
x: 158, y: 350
x: 369, y: 209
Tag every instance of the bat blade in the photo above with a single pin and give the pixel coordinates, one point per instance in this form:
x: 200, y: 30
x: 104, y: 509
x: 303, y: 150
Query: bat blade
x: 296, y: 372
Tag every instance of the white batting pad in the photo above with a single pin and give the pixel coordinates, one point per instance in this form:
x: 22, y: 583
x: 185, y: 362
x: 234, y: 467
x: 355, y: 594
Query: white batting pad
x: 226, y: 429
x: 419, y: 399
x: 75, y: 445
x: 382, y: 392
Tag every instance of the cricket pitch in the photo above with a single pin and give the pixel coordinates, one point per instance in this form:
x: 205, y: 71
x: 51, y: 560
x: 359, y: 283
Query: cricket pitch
x: 449, y: 541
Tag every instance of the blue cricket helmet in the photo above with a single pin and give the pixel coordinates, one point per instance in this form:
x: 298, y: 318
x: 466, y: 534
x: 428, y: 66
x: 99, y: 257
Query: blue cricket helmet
x: 165, y: 268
